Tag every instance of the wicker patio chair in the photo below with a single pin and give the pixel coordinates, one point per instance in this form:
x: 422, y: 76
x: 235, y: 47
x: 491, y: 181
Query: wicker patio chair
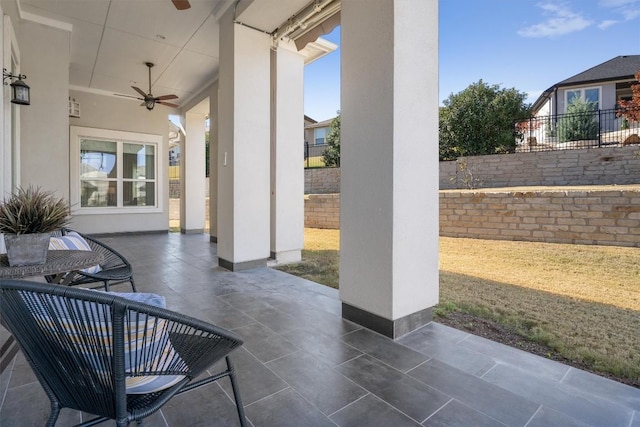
x: 109, y: 356
x: 115, y: 268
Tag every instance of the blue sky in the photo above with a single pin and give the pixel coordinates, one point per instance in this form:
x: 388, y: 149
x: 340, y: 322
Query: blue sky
x: 526, y: 44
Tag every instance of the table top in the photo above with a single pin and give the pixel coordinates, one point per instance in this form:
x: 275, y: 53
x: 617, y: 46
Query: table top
x: 60, y: 261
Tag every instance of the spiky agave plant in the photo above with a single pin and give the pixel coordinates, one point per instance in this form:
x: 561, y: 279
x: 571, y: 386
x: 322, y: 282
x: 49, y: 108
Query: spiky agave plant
x: 33, y: 210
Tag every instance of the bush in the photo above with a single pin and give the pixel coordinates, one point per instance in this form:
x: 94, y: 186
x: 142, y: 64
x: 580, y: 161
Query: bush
x: 579, y: 123
x: 331, y: 155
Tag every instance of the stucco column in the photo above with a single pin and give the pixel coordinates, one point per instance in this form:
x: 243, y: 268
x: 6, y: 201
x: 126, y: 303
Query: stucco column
x: 243, y: 146
x: 389, y: 164
x: 287, y: 136
x: 213, y: 163
x: 192, y: 171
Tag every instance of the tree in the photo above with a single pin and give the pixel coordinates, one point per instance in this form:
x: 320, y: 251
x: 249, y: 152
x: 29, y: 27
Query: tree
x: 331, y: 154
x: 480, y: 120
x: 579, y: 123
x: 630, y: 110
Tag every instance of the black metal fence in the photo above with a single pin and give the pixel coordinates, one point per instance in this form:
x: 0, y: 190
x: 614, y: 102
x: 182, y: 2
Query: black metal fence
x: 572, y: 131
x: 313, y: 155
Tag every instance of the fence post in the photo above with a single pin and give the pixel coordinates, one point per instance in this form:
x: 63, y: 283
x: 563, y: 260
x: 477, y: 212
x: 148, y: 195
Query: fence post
x: 599, y: 128
x: 306, y: 153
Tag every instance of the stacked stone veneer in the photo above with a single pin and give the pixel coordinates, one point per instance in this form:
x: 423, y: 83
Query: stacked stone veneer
x: 322, y: 211
x: 593, y: 166
x: 322, y: 181
x: 602, y: 217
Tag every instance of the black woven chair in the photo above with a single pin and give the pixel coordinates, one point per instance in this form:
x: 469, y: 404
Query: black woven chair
x: 92, y: 350
x: 115, y: 268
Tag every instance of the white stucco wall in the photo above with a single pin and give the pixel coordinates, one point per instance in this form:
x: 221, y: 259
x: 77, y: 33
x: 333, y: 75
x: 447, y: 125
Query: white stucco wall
x: 244, y: 149
x: 107, y: 112
x: 287, y: 174
x: 389, y: 198
x: 44, y: 159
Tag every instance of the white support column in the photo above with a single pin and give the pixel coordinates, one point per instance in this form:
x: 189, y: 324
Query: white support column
x: 213, y: 163
x: 389, y: 163
x: 192, y: 171
x: 243, y: 146
x: 287, y: 136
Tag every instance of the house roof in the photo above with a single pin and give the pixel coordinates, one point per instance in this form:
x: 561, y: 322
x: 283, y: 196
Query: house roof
x: 622, y: 67
x: 619, y: 68
x: 322, y: 124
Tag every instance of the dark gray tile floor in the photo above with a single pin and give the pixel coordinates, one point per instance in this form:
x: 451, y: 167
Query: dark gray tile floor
x: 303, y: 365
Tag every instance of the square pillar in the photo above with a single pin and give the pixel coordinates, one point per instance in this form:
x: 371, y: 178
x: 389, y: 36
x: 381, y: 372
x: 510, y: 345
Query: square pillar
x: 243, y: 146
x: 192, y: 176
x: 213, y: 163
x: 389, y: 163
x: 287, y: 150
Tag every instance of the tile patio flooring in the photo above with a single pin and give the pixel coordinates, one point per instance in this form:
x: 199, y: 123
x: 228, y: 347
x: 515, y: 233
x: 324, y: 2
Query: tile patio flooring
x: 302, y: 365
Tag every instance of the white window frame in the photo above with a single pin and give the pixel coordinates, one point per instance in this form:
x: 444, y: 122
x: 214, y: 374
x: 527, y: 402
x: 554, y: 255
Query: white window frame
x: 76, y: 133
x: 324, y: 139
x: 582, y: 91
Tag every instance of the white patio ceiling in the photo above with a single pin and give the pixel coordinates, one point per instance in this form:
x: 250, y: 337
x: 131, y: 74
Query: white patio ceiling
x: 112, y: 39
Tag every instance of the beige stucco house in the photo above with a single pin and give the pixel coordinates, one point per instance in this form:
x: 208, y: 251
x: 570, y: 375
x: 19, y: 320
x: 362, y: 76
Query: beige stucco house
x: 242, y: 64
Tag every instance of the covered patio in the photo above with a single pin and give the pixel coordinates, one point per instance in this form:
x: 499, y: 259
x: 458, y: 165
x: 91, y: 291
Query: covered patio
x: 304, y: 365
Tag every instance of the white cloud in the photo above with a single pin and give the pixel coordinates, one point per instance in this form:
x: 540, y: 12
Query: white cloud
x: 630, y: 14
x: 617, y: 3
x: 629, y: 9
x: 606, y: 24
x: 561, y: 21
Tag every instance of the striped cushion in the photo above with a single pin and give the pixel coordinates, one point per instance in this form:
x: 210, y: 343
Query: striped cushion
x: 73, y: 241
x: 147, y: 344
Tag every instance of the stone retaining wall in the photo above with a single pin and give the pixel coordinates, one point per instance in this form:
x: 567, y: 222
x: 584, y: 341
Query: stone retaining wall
x: 593, y: 166
x: 322, y: 211
x: 606, y: 216
x: 322, y: 181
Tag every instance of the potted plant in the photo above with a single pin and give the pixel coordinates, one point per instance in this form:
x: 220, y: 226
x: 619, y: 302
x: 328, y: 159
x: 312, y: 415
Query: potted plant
x: 27, y: 219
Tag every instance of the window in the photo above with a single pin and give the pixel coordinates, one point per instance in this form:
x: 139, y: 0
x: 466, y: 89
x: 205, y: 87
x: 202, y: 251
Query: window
x: 114, y: 171
x: 321, y: 136
x: 591, y: 94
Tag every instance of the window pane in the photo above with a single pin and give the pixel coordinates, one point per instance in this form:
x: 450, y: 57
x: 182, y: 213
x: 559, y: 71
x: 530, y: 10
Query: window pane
x: 139, y: 193
x: 98, y: 159
x: 138, y: 161
x: 98, y: 193
x: 592, y: 95
x: 571, y: 95
x: 320, y: 135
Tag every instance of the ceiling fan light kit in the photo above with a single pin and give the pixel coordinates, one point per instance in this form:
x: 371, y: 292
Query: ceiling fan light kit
x: 148, y: 100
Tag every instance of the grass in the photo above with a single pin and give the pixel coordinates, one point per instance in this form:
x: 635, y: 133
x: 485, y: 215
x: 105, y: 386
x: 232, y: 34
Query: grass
x: 583, y: 302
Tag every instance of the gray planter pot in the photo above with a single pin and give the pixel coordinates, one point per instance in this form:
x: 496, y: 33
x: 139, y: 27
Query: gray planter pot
x: 27, y: 249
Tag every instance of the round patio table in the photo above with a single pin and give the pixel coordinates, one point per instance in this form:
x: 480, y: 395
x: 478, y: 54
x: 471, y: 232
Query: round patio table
x: 58, y: 263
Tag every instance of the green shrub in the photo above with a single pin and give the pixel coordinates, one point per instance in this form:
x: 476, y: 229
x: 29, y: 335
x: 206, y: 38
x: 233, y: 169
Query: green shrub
x: 579, y: 123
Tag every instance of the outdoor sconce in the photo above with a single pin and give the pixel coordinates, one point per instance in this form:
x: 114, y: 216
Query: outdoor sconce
x: 20, y: 89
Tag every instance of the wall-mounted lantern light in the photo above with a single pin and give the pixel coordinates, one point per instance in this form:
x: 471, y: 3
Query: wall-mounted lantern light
x: 19, y: 88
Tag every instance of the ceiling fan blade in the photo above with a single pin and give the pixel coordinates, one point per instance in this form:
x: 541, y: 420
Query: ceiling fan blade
x: 127, y: 96
x: 181, y: 4
x: 160, y: 98
x: 137, y: 89
x: 168, y: 104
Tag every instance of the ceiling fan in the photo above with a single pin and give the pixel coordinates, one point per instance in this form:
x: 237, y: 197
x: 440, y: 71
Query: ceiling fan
x: 148, y: 99
x: 181, y: 4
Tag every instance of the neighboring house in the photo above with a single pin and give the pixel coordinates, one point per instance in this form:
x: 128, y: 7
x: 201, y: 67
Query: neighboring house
x: 315, y: 133
x: 605, y: 85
